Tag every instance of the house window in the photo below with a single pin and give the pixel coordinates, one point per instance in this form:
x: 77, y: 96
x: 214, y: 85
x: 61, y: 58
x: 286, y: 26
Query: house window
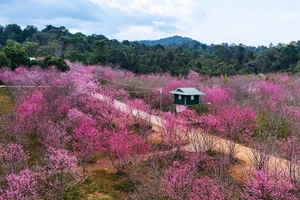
x: 179, y: 97
x: 192, y: 97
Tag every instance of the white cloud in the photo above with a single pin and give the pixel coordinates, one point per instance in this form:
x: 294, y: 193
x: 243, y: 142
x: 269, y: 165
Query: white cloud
x: 139, y: 33
x: 252, y: 22
x: 152, y: 7
x: 158, y: 23
x: 161, y: 17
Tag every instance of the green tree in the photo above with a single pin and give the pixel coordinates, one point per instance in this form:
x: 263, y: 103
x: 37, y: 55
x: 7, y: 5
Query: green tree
x: 295, y: 69
x: 43, y: 38
x: 13, y: 32
x: 1, y: 29
x: 223, y: 68
x: 290, y: 56
x: 262, y: 64
x: 15, y: 53
x: 2, y: 39
x: 74, y: 55
x: 28, y: 31
x: 30, y: 48
x: 52, y: 48
x: 4, y: 61
x: 222, y: 53
x: 59, y: 63
x: 100, y: 53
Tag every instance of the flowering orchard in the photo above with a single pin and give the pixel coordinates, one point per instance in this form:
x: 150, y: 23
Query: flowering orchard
x: 57, y: 130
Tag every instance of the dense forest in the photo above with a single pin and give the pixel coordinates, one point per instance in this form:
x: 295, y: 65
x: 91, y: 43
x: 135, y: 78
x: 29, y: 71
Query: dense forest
x: 175, y: 55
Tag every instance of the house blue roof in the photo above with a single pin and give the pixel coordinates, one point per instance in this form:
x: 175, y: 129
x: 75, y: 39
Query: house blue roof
x: 187, y: 91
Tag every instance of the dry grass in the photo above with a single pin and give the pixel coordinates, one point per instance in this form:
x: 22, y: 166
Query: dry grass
x: 101, y: 183
x: 6, y: 102
x: 240, y: 172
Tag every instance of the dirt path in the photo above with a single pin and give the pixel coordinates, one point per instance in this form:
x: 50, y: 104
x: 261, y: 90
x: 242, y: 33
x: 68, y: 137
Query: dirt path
x: 243, y: 153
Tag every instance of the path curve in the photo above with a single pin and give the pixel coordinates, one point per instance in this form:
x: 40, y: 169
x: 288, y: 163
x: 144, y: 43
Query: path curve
x: 243, y: 153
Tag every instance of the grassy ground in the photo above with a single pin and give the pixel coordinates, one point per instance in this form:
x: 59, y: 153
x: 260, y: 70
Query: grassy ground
x: 6, y: 105
x: 6, y: 102
x: 102, y: 183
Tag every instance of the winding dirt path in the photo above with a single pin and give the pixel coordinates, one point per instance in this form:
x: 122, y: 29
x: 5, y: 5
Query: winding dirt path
x: 243, y: 153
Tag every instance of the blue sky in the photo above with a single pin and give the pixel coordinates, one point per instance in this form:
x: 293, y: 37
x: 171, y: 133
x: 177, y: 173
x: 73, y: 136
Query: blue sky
x: 251, y: 22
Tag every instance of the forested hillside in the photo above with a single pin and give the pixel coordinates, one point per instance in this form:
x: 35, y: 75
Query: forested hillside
x: 175, y: 55
x: 167, y: 41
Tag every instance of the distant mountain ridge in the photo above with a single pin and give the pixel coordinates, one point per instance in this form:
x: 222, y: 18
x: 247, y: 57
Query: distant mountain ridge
x: 167, y: 41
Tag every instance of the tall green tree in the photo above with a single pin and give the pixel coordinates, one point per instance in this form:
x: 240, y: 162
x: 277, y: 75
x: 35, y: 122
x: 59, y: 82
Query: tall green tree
x: 16, y: 54
x: 28, y: 31
x: 30, y: 48
x: 4, y: 61
x: 290, y: 56
x: 100, y: 53
x: 13, y: 32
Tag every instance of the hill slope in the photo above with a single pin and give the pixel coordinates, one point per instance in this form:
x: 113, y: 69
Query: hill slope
x: 166, y: 41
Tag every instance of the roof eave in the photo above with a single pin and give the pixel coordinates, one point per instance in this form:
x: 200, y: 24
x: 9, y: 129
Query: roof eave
x: 181, y: 93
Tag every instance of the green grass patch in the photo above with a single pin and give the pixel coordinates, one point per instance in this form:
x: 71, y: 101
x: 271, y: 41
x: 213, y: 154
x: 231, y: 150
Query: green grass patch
x: 6, y: 102
x: 274, y: 124
x: 200, y: 109
x: 125, y: 186
x: 33, y: 147
x: 118, y: 176
x: 110, y: 185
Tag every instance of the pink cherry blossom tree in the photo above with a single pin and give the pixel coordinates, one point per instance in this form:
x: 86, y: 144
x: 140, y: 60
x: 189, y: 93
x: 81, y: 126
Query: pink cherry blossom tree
x: 107, y: 74
x: 202, y: 139
x: 237, y: 124
x: 262, y: 148
x: 127, y: 148
x: 29, y: 110
x: 21, y: 186
x: 52, y: 134
x: 291, y: 151
x: 86, y: 141
x: 271, y: 93
x: 13, y: 157
x: 13, y: 128
x: 265, y: 186
x: 139, y: 111
x: 58, y: 174
x: 174, y: 131
x: 181, y: 183
x: 218, y: 97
